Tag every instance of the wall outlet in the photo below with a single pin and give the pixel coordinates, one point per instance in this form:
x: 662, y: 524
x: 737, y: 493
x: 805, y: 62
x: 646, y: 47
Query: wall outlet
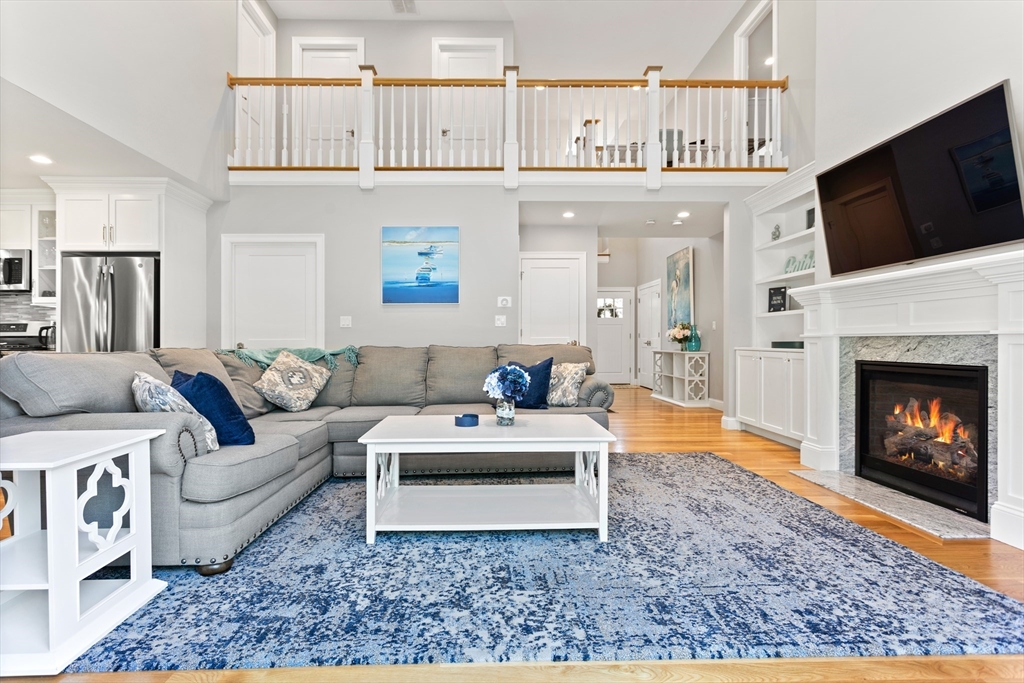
x: 504, y: 302
x: 346, y: 321
x: 499, y: 321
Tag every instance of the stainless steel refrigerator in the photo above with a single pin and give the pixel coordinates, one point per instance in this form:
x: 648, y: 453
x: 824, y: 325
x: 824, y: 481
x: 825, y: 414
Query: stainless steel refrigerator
x: 109, y: 303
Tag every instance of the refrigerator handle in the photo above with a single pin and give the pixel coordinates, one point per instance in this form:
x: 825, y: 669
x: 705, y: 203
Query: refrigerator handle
x: 101, y: 342
x: 110, y: 306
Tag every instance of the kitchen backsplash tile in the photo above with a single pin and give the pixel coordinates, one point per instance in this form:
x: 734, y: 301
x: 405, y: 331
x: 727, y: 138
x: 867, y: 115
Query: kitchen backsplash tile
x: 17, y: 306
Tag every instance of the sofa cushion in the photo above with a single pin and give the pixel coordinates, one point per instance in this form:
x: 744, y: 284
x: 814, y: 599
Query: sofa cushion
x: 233, y: 470
x: 390, y: 376
x: 210, y: 397
x: 351, y: 423
x: 311, y: 415
x: 456, y: 374
x: 291, y: 382
x: 243, y: 377
x: 47, y: 384
x: 338, y: 391
x: 312, y: 436
x: 531, y: 354
x: 192, y: 362
x: 9, y: 407
x: 458, y: 409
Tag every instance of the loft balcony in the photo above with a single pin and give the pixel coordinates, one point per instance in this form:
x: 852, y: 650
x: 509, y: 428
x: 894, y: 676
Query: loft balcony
x: 646, y: 132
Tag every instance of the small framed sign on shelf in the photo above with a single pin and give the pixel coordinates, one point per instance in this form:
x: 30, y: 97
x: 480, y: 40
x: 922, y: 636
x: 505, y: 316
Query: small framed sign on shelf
x: 776, y: 299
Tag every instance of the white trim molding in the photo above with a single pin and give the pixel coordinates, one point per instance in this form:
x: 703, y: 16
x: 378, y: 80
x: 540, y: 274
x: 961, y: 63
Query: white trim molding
x: 987, y: 293
x: 742, y: 36
x: 300, y: 43
x: 252, y: 10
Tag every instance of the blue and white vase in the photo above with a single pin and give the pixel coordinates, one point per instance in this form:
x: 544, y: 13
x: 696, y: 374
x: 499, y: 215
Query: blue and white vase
x: 506, y: 412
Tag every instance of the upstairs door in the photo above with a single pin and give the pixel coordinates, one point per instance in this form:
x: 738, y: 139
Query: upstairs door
x: 467, y: 117
x: 255, y: 60
x: 326, y: 115
x: 551, y: 294
x: 272, y: 291
x: 648, y: 331
x: 613, y: 348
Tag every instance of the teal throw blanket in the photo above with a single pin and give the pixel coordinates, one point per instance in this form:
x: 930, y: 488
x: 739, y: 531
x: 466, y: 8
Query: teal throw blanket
x: 264, y: 357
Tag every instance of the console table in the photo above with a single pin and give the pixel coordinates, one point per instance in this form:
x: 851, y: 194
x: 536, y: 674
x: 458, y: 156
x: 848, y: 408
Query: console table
x: 681, y: 377
x: 51, y: 609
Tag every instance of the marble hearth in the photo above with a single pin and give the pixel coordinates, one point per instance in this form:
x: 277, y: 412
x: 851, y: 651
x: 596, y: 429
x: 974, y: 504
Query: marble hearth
x: 905, y: 316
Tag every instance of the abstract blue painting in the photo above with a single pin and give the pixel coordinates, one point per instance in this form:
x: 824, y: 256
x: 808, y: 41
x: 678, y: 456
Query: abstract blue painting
x: 679, y: 288
x: 419, y: 265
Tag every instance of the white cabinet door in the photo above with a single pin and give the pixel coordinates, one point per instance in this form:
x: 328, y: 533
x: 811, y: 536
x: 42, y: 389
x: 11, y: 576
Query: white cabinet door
x: 134, y: 222
x: 16, y: 227
x: 797, y: 397
x: 774, y: 392
x: 82, y: 222
x: 748, y: 386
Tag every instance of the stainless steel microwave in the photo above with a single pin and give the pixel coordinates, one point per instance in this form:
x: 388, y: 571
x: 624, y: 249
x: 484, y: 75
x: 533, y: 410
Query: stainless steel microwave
x: 15, y: 270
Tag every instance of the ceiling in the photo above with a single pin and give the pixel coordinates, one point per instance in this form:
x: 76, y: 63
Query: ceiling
x: 628, y: 219
x: 29, y: 125
x: 564, y: 38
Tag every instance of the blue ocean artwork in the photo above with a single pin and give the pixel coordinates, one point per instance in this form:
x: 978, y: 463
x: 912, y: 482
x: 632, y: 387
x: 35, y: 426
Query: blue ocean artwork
x: 420, y: 265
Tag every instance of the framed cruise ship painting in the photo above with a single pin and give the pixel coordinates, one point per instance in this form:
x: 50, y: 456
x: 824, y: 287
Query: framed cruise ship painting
x: 419, y: 265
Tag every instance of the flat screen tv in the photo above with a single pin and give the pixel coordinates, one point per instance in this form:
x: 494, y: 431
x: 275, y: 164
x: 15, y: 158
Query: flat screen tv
x: 949, y: 184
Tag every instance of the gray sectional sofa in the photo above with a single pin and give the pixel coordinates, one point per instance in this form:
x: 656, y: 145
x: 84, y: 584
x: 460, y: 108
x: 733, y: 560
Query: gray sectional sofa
x: 207, y: 507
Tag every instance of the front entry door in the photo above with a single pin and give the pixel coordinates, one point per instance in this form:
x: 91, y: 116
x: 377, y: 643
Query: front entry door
x: 550, y: 293
x: 613, y: 348
x: 648, y: 331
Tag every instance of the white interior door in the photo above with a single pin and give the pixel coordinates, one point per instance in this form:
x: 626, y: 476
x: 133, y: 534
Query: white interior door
x: 648, y: 333
x: 463, y: 111
x: 272, y: 290
x: 329, y: 114
x: 613, y: 348
x: 256, y: 60
x: 551, y: 292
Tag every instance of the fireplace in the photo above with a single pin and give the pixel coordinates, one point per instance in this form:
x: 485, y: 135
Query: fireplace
x: 922, y: 429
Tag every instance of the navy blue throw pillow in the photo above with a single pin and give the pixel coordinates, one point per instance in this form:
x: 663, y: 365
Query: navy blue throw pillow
x: 540, y: 378
x: 211, y: 398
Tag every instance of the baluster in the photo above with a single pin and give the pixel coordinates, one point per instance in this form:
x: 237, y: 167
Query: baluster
x: 487, y: 126
x: 320, y: 125
x: 357, y: 119
x: 708, y: 158
x: 522, y: 130
x: 721, y: 128
x: 604, y: 131
x: 405, y: 126
x: 248, y: 121
x: 415, y: 125
x: 427, y: 130
x: 756, y: 116
x: 380, y: 129
x: 733, y: 129
x: 768, y: 141
x: 272, y: 156
x: 263, y: 130
x: 686, y: 126
x: 558, y: 127
x: 309, y: 129
x: 391, y: 149
x: 499, y: 125
x: 344, y: 127
x: 629, y: 126
x: 462, y: 125
x: 547, y: 127
x: 591, y: 138
x: 777, y: 137
x: 676, y: 133
x: 615, y: 131
x: 536, y: 147
x: 451, y: 125
x: 579, y: 146
x: 475, y: 131
x: 284, y: 125
x: 698, y: 145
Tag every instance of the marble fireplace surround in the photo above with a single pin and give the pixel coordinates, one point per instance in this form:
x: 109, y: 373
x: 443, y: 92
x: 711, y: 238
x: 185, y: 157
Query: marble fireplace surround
x: 899, y: 315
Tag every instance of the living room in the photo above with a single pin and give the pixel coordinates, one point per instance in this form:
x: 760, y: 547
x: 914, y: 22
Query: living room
x: 857, y: 74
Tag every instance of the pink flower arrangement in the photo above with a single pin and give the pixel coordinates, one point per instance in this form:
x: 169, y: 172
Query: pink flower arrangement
x: 680, y: 333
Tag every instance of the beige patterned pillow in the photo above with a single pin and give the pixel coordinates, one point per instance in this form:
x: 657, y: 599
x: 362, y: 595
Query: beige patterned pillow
x: 566, y: 378
x: 291, y: 382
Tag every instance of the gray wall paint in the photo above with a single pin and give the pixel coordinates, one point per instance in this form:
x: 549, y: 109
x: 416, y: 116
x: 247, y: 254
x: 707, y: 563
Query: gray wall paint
x: 620, y: 271
x: 568, y: 238
x: 708, y: 296
x: 350, y: 220
x: 397, y: 49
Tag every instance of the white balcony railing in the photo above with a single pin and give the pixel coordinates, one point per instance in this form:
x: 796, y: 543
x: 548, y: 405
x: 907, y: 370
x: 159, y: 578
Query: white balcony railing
x: 371, y: 124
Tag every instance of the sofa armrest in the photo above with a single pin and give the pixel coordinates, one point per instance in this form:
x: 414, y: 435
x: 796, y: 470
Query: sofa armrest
x: 167, y: 453
x: 596, y: 392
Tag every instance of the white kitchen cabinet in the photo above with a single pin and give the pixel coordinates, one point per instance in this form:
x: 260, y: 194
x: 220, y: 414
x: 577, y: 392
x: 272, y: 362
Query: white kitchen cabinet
x: 16, y: 226
x: 770, y: 392
x: 108, y: 222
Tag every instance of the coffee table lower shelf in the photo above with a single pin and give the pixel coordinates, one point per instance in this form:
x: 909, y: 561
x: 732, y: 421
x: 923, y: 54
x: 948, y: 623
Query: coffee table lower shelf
x: 486, y: 508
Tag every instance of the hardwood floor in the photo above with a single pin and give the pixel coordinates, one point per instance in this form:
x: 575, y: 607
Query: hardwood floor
x: 644, y: 424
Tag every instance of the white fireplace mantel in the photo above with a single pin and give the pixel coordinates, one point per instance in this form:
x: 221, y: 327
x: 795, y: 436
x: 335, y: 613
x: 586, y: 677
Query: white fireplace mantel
x: 979, y: 295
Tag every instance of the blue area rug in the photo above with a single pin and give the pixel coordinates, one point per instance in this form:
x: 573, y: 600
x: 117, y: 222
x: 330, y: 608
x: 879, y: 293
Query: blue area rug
x: 705, y: 560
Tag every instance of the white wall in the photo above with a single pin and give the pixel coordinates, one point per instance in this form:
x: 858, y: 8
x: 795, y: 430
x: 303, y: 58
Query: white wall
x: 620, y: 271
x: 148, y: 74
x: 350, y: 220
x: 708, y: 302
x: 397, y: 49
x: 568, y: 238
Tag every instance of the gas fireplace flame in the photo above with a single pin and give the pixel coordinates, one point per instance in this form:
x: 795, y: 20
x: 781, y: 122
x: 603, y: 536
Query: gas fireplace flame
x: 931, y: 440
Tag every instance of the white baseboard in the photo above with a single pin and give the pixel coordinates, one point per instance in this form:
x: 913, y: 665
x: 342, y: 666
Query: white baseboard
x: 716, y: 404
x: 1008, y: 525
x: 731, y: 423
x: 819, y: 458
x: 767, y: 434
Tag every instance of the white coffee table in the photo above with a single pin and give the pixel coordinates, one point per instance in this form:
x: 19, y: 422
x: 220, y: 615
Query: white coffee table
x: 486, y: 507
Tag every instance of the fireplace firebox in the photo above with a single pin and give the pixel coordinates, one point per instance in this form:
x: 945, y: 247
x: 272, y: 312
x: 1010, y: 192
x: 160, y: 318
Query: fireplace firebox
x: 922, y: 429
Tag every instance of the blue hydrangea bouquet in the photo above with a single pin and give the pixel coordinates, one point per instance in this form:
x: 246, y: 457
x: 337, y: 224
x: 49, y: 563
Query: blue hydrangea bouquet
x: 507, y: 385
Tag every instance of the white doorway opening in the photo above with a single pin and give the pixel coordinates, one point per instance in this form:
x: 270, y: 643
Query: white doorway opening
x: 614, y: 349
x: 256, y: 58
x: 272, y: 291
x: 648, y: 331
x: 552, y: 292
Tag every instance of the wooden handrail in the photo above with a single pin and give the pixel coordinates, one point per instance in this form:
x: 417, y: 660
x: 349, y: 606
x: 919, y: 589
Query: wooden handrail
x: 581, y: 82
x: 239, y: 80
x: 683, y: 83
x: 483, y: 82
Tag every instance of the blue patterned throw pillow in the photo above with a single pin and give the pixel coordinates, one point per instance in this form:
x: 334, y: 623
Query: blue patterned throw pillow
x: 566, y: 380
x: 154, y: 396
x: 212, y: 399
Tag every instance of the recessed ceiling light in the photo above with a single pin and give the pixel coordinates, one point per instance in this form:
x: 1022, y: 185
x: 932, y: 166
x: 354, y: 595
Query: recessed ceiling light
x: 568, y: 214
x: 769, y: 61
x: 677, y: 222
x: 683, y: 214
x: 651, y: 221
x: 40, y: 159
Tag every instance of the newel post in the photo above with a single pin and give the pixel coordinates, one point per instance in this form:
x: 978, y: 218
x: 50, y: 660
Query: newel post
x: 653, y: 156
x: 366, y: 151
x: 511, y: 149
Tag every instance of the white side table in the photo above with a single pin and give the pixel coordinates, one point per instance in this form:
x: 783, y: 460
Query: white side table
x: 50, y: 613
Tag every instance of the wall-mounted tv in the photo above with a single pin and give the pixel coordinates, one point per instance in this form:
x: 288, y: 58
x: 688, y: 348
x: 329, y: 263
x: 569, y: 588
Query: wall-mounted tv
x: 946, y: 185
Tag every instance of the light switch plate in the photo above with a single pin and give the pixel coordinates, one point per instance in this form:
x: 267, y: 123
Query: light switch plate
x: 504, y: 302
x: 499, y: 321
x: 346, y: 321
